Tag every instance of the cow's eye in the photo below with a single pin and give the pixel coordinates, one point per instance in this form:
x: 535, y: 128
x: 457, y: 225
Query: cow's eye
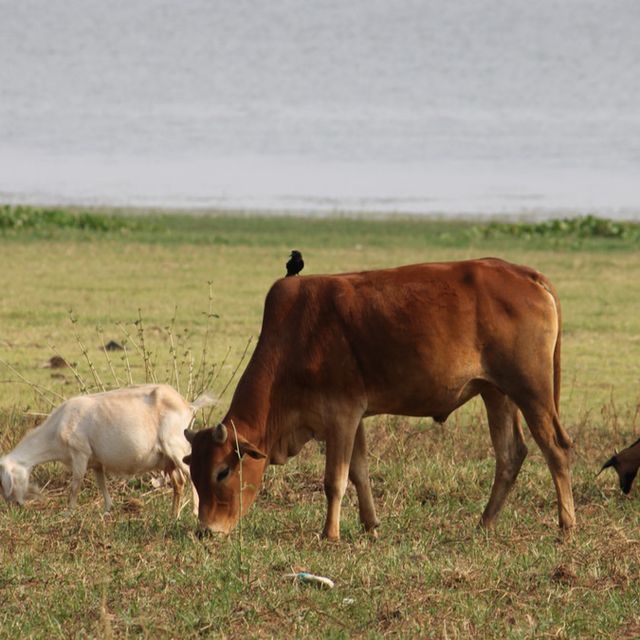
x: 222, y: 474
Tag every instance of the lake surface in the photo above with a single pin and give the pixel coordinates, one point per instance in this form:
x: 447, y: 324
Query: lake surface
x: 419, y: 106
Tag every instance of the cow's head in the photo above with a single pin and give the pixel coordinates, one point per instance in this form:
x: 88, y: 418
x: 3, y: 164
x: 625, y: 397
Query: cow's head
x: 626, y: 464
x: 219, y: 459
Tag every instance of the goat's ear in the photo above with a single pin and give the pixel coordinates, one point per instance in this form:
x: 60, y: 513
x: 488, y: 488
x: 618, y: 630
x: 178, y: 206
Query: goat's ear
x: 189, y: 434
x: 611, y: 462
x: 187, y: 459
x: 7, y: 481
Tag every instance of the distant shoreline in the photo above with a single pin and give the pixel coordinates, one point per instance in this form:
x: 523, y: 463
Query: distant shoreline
x: 527, y: 215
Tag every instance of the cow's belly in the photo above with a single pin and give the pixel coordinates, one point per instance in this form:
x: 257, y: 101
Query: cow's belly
x: 436, y: 401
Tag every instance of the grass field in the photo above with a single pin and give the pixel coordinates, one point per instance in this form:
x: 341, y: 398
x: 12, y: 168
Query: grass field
x: 180, y: 288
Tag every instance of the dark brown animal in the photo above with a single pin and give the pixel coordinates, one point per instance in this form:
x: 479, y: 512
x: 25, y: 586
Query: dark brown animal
x: 419, y: 340
x: 626, y: 464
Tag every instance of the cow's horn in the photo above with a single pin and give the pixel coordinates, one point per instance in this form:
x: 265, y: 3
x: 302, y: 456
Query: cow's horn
x: 189, y: 434
x: 219, y: 434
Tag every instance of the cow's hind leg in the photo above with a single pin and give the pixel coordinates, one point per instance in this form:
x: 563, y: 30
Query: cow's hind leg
x: 557, y: 448
x: 340, y: 441
x: 359, y: 475
x: 508, y: 443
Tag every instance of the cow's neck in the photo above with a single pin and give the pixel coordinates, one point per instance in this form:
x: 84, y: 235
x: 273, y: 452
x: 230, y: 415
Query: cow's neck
x: 251, y: 411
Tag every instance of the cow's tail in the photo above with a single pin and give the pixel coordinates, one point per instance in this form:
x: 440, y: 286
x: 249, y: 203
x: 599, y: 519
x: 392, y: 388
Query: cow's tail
x: 562, y: 437
x: 557, y: 367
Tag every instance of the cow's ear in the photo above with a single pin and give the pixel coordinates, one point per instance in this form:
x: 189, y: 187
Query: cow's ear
x: 187, y: 459
x: 249, y: 449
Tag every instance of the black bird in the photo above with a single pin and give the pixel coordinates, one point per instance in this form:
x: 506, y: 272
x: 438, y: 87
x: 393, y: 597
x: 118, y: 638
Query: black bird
x: 295, y: 263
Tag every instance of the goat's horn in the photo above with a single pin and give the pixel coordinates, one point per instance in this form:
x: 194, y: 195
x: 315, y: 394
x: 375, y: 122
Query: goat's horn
x: 219, y: 434
x: 189, y: 434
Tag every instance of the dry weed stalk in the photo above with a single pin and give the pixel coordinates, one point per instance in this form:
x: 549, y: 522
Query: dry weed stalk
x: 85, y: 353
x: 146, y: 355
x: 205, y: 346
x: 39, y: 389
x: 233, y: 375
x: 106, y: 355
x: 189, y: 355
x: 172, y: 349
x: 241, y: 570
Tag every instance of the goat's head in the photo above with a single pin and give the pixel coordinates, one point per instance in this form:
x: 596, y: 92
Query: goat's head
x: 626, y: 464
x: 14, y: 479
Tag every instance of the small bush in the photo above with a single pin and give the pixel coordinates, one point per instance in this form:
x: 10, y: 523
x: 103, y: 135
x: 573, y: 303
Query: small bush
x: 583, y: 227
x: 15, y: 218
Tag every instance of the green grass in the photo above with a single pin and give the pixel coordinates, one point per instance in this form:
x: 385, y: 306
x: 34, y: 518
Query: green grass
x: 431, y: 572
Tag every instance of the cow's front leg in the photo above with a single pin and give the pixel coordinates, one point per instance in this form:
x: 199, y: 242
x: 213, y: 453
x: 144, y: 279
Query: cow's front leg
x: 359, y: 475
x: 336, y: 474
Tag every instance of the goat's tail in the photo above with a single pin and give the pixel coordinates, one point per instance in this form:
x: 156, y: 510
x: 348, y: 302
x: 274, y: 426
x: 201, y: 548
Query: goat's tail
x: 203, y: 400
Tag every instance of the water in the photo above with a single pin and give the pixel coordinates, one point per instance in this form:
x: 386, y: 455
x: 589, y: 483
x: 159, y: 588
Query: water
x: 419, y: 106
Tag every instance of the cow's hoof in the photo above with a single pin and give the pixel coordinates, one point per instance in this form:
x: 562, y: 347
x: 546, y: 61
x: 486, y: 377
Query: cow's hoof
x: 372, y: 529
x: 330, y: 537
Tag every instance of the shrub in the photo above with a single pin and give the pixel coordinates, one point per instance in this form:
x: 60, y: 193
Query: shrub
x: 15, y: 218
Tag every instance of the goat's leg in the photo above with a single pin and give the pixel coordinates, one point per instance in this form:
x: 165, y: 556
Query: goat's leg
x: 195, y: 499
x: 177, y: 482
x: 187, y: 474
x: 102, y: 485
x: 79, y: 462
x: 359, y: 475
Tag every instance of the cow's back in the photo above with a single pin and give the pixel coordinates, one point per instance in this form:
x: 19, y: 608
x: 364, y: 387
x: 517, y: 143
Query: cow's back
x: 410, y: 340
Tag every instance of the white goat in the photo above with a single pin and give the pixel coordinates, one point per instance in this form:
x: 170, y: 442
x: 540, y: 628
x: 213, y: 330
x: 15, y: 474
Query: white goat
x: 125, y: 431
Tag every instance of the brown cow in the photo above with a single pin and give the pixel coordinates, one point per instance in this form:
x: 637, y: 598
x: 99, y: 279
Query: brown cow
x: 626, y: 464
x: 419, y: 340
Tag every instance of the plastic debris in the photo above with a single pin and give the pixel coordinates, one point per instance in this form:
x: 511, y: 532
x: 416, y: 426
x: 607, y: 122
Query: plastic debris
x: 309, y: 578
